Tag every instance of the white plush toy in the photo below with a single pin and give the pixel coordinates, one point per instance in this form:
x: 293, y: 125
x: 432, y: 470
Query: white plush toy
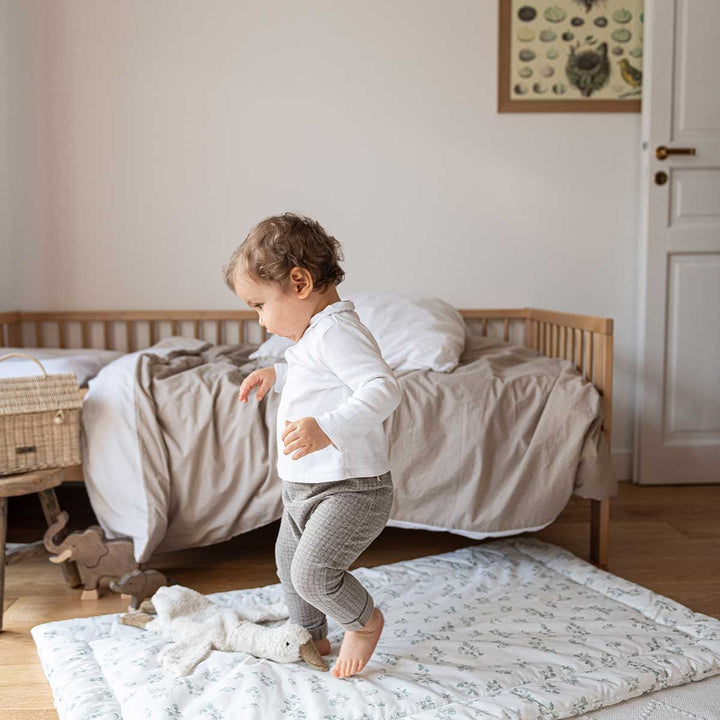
x: 197, y: 626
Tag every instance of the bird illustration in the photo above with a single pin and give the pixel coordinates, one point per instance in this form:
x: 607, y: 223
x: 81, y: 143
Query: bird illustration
x: 589, y: 4
x: 631, y: 75
x: 589, y: 70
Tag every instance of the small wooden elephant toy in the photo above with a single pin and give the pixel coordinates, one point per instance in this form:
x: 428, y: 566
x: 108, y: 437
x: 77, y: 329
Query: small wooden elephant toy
x: 96, y: 556
x: 139, y: 584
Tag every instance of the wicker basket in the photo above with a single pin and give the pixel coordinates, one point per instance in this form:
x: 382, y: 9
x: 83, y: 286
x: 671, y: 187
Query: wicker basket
x: 39, y: 421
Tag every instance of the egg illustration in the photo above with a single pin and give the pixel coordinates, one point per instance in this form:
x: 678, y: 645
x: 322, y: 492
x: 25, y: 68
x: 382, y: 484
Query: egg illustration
x: 622, y: 16
x: 621, y: 35
x: 525, y: 35
x: 555, y: 14
x: 527, y: 13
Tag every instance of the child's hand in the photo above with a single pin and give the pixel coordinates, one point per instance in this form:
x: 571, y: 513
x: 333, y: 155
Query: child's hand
x: 305, y: 436
x: 263, y: 379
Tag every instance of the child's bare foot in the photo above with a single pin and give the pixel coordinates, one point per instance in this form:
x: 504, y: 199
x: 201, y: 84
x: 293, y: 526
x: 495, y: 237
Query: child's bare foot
x: 358, y: 645
x: 323, y: 646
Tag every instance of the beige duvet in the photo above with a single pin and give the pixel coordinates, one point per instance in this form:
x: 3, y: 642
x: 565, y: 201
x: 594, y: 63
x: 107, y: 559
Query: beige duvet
x: 496, y: 446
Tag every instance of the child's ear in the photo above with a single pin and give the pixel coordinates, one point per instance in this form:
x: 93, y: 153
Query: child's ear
x: 301, y: 282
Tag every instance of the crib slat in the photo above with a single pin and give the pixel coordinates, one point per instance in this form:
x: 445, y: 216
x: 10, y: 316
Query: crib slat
x: 579, y: 351
x: 39, y: 334
x: 107, y: 339
x: 506, y: 330
x: 589, y: 356
x: 241, y: 331
x: 196, y: 330
x: 602, y: 371
x: 548, y: 339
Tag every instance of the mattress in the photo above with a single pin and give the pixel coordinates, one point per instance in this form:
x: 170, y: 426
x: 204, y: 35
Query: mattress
x: 509, y: 629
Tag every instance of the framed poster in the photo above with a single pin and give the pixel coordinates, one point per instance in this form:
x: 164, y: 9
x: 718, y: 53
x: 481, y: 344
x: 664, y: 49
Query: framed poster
x: 570, y: 55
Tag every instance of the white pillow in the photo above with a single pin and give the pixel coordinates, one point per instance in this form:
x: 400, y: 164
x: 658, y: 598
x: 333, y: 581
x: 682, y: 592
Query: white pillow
x: 271, y: 351
x: 413, y: 333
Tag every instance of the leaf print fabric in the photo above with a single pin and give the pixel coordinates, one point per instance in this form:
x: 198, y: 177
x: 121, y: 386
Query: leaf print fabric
x: 512, y: 628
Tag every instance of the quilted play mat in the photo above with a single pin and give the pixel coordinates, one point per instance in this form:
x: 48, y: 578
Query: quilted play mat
x: 512, y: 628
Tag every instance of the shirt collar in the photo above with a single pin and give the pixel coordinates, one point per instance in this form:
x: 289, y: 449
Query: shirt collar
x: 336, y: 307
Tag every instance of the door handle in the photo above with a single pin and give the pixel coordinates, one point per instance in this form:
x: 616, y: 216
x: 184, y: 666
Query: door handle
x: 661, y: 152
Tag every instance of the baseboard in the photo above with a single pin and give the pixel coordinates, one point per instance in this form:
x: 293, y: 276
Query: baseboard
x: 623, y: 463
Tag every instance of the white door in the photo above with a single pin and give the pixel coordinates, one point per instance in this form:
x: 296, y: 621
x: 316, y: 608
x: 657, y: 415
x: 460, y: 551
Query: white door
x: 677, y: 431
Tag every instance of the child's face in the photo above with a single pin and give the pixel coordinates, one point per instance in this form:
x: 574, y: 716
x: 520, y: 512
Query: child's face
x: 280, y: 313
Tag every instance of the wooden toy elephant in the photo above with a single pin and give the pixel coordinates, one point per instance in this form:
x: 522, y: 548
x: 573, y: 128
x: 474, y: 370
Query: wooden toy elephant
x: 139, y: 584
x: 95, y: 555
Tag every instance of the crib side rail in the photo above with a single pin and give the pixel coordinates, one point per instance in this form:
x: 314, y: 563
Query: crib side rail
x: 9, y: 326
x: 129, y: 331
x: 584, y: 340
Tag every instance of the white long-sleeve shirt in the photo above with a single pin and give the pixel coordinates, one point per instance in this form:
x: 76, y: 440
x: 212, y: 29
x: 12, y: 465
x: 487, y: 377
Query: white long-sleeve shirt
x: 336, y: 374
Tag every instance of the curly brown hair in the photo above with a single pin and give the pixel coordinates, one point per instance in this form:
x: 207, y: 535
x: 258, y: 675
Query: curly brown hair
x: 279, y: 243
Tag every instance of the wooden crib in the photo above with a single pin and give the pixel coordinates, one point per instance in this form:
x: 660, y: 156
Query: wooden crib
x: 585, y: 340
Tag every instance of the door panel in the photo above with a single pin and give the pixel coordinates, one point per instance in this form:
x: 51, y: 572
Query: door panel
x: 677, y: 430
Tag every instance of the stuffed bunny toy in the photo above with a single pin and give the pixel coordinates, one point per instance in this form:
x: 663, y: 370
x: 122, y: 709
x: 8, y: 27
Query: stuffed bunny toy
x: 196, y: 626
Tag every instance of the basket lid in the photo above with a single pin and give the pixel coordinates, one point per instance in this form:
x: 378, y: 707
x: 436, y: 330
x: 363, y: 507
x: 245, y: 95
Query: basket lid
x: 37, y: 394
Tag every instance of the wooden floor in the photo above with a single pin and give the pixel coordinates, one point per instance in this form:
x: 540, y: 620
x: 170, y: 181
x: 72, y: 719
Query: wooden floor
x: 665, y: 538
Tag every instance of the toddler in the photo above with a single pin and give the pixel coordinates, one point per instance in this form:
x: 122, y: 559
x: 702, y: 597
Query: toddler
x: 333, y: 460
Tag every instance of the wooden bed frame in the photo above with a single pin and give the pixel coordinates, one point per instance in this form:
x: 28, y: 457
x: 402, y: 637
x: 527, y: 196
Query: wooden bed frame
x: 585, y: 340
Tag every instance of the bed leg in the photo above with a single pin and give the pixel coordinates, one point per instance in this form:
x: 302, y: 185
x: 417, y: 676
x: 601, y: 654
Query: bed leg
x: 599, y: 531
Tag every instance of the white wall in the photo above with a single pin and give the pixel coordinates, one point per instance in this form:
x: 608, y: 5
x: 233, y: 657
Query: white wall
x: 30, y: 276
x: 6, y: 264
x: 174, y: 125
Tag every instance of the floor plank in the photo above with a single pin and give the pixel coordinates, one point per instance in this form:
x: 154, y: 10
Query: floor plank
x: 666, y: 538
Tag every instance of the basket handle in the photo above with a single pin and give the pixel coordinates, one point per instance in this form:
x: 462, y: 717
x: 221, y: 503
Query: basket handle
x: 25, y: 355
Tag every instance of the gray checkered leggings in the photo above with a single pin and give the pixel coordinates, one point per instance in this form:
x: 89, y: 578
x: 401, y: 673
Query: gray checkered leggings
x: 324, y: 528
